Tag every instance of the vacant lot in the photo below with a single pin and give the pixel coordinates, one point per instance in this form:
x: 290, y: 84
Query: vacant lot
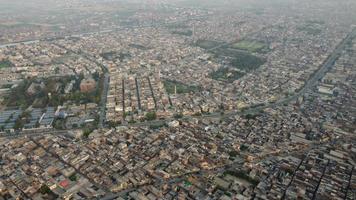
x: 181, y: 87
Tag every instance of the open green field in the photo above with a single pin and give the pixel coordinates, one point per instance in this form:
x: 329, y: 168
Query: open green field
x: 183, y: 32
x: 138, y: 46
x: 65, y: 58
x: 310, y: 30
x: 312, y: 27
x: 5, y: 64
x: 207, y: 44
x: 181, y: 87
x: 15, y: 25
x: 251, y: 46
x: 176, y: 26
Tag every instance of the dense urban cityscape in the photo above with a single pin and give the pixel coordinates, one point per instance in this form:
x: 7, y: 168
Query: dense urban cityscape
x: 178, y: 99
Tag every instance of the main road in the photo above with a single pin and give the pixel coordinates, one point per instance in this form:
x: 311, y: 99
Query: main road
x: 29, y: 133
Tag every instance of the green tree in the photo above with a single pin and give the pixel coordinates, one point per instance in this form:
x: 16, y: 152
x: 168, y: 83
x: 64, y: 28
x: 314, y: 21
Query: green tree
x: 151, y: 116
x: 233, y: 153
x: 178, y: 116
x: 73, y: 177
x: 19, y: 124
x: 45, y: 189
x: 243, y: 147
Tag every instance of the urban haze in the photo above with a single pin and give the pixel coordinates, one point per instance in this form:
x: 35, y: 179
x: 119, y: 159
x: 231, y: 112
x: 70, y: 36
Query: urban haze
x: 178, y: 99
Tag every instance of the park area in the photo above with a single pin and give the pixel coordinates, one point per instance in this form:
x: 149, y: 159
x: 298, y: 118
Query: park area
x: 207, y: 44
x: 249, y: 45
x: 241, y: 63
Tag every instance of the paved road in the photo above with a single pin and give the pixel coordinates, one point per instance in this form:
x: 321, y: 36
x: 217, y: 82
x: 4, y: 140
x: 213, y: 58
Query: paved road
x: 326, y: 66
x: 104, y: 94
x: 33, y: 133
x: 105, y: 89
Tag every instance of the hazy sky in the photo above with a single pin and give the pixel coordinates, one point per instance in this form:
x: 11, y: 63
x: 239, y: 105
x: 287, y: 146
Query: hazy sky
x: 340, y: 8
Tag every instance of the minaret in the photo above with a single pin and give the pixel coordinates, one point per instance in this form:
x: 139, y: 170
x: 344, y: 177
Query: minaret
x: 194, y: 33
